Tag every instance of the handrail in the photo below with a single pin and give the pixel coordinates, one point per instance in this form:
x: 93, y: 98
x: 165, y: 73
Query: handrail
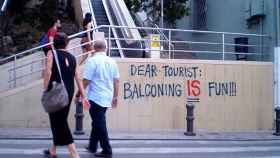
x: 119, y: 17
x: 160, y: 32
x: 164, y: 37
x: 206, y: 43
x: 182, y: 30
x: 40, y: 47
x: 144, y: 28
x: 221, y: 47
x: 4, y: 5
x: 92, y: 13
x: 108, y: 13
x: 124, y: 18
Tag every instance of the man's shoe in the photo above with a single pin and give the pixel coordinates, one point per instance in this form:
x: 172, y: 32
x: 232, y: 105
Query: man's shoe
x: 103, y: 154
x: 90, y: 150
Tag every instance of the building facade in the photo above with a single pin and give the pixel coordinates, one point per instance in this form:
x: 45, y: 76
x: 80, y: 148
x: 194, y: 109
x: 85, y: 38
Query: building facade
x: 242, y: 16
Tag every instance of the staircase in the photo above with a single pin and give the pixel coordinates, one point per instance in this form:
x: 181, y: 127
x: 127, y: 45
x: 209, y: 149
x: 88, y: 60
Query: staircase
x: 183, y: 47
x: 102, y: 19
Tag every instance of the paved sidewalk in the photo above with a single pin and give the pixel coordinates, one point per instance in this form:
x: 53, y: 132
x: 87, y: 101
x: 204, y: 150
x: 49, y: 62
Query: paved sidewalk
x: 44, y: 133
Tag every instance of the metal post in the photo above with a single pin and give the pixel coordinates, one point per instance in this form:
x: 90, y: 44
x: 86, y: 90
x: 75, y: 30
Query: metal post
x: 161, y: 23
x: 190, y: 118
x: 277, y: 122
x: 109, y: 42
x: 79, y: 118
x: 31, y: 67
x: 277, y: 57
x: 14, y: 69
x: 223, y: 46
x: 277, y: 22
x: 169, y: 43
x: 261, y: 40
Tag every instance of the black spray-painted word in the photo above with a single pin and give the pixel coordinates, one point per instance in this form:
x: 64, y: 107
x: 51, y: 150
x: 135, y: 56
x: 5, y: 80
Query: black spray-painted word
x: 136, y: 91
x: 151, y: 70
x: 222, y: 88
x: 188, y: 72
x: 147, y: 70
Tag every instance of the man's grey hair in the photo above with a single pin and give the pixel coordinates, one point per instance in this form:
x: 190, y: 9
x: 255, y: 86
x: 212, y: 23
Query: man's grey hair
x: 99, y: 45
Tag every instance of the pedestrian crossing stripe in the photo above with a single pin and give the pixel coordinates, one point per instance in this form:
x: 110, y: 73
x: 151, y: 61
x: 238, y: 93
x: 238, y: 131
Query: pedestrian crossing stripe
x: 145, y: 142
x: 151, y: 150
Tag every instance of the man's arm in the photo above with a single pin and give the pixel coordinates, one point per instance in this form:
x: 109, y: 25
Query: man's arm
x: 116, y: 93
x: 81, y: 91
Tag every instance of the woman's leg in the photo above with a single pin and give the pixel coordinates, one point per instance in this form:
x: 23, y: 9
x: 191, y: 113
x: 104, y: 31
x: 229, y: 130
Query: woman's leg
x: 83, y: 57
x: 73, y: 151
x: 60, y: 128
x: 53, y: 150
x: 85, y: 48
x: 50, y: 152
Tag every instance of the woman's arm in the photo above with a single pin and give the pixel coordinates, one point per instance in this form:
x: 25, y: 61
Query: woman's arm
x: 81, y: 87
x: 48, y: 69
x: 88, y: 33
x: 79, y: 82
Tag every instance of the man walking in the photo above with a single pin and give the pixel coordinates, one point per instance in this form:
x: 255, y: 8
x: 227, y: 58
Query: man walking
x: 55, y: 25
x: 101, y: 76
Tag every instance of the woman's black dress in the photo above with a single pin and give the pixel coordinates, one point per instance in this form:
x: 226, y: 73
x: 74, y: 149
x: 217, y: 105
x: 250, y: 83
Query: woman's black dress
x: 58, y: 120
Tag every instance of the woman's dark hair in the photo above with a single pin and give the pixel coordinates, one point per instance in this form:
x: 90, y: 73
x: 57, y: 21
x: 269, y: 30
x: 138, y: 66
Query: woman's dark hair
x: 53, y: 20
x: 87, y: 19
x: 60, y: 40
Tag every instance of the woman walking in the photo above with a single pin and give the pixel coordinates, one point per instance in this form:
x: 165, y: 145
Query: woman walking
x: 87, y: 37
x: 69, y: 72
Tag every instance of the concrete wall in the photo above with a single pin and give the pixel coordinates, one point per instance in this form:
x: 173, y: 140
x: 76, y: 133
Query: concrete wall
x: 153, y: 96
x: 81, y: 7
x: 78, y: 11
x: 25, y: 66
x: 230, y: 16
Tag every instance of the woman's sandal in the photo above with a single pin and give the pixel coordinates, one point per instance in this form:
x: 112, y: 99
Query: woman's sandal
x: 48, y: 154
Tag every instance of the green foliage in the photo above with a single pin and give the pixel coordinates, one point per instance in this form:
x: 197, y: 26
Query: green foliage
x: 172, y: 9
x: 48, y: 10
x: 133, y: 5
x: 42, y: 13
x: 25, y: 24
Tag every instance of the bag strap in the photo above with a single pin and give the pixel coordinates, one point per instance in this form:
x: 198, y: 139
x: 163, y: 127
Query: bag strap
x: 57, y: 64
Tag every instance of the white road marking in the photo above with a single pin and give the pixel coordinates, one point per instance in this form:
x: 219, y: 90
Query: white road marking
x: 151, y: 150
x: 147, y: 142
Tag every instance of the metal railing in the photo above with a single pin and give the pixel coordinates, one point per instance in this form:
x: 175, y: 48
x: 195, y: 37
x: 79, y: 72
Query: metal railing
x: 3, y: 7
x: 221, y: 46
x: 165, y: 38
x: 223, y: 40
x: 108, y: 14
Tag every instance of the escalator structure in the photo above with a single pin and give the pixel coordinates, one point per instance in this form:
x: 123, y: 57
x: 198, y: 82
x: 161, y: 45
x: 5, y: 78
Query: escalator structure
x: 101, y: 19
x: 104, y: 12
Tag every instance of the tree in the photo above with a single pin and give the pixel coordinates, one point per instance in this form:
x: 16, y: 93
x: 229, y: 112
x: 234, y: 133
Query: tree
x: 172, y: 9
x: 133, y: 5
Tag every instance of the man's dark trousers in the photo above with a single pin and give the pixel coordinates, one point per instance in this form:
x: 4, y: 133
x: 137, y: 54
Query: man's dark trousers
x: 99, y: 130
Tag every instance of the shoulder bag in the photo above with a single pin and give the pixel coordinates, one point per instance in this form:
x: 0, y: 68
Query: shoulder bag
x: 56, y: 98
